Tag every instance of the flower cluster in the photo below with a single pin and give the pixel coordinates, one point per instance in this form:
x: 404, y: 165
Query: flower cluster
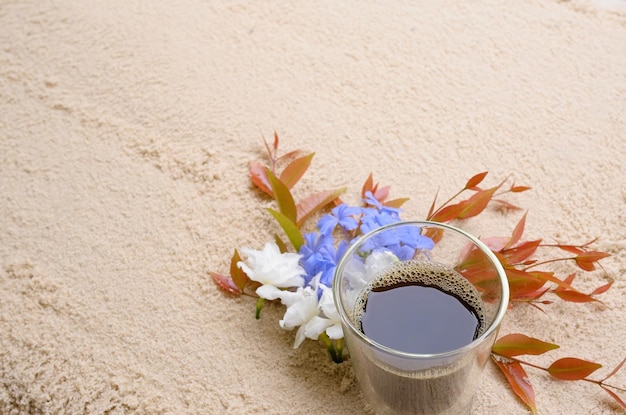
x: 302, y: 281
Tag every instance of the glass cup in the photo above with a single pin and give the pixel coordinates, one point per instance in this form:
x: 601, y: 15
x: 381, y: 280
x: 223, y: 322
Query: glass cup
x: 411, y: 361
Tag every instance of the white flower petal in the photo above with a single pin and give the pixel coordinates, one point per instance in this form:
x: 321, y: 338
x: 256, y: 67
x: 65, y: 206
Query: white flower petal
x: 316, y: 326
x: 270, y: 266
x: 269, y: 292
x: 299, y: 337
x: 335, y: 331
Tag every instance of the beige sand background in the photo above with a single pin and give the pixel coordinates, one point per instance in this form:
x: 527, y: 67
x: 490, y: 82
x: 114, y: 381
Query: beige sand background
x: 125, y: 132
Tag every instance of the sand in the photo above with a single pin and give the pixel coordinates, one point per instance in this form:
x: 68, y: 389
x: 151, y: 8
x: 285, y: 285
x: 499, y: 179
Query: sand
x: 125, y: 135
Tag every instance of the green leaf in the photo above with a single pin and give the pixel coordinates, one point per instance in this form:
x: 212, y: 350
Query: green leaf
x: 571, y: 368
x: 290, y: 228
x: 295, y: 170
x: 315, y: 202
x: 518, y: 379
x: 283, y: 197
x: 519, y: 344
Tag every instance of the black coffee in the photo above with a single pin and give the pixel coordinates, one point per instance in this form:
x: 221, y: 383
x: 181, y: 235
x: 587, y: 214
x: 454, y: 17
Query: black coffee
x: 425, y: 308
x: 420, y: 307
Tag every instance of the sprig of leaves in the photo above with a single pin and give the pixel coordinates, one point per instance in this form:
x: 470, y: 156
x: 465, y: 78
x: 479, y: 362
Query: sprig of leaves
x: 505, y: 351
x: 528, y: 283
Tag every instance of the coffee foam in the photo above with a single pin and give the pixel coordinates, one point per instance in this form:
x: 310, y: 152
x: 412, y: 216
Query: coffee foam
x: 428, y: 274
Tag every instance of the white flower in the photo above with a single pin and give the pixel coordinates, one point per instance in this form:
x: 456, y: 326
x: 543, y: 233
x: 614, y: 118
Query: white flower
x: 327, y: 304
x: 303, y: 308
x: 313, y: 316
x: 272, y: 269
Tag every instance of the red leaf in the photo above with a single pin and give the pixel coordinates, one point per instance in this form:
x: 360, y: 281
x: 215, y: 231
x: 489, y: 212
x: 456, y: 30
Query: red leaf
x: 519, y: 344
x: 225, y: 283
x: 316, y: 202
x: 475, y: 180
x: 571, y: 368
x: 295, y: 170
x: 518, y: 379
x: 382, y: 193
x: 258, y: 175
x: 275, y: 142
x: 614, y: 396
x: 517, y: 232
x: 239, y: 277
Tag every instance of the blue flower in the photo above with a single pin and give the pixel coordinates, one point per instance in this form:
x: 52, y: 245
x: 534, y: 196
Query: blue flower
x: 342, y: 215
x: 371, y: 200
x: 320, y: 257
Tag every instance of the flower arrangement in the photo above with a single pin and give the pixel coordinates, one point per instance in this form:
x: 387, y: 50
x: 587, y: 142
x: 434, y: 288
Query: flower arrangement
x: 301, y: 277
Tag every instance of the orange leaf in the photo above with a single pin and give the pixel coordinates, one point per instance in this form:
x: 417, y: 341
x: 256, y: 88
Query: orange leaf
x: 518, y: 189
x: 521, y: 252
x: 571, y: 368
x: 475, y: 180
x: 586, y: 260
x: 518, y: 379
x: 258, y: 175
x: 477, y: 203
x: 518, y: 344
x: 239, y: 277
x: 449, y: 212
x: 225, y: 283
x: 517, y: 232
x: 522, y: 284
x: 603, y: 288
x: 574, y: 296
x: 506, y: 205
x: 396, y: 203
x: 367, y: 185
x: 432, y: 206
x: 283, y: 197
x: 295, y: 170
x: 316, y: 202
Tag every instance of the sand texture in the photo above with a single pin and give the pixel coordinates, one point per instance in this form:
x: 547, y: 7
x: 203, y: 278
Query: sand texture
x: 126, y: 128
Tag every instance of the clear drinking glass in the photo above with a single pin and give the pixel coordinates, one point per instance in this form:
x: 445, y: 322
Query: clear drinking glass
x: 423, y: 254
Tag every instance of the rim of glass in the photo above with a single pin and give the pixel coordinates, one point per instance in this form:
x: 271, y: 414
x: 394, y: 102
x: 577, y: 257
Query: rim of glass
x: 502, y: 307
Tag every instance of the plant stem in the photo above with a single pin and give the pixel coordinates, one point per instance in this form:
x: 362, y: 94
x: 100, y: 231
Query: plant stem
x: 259, y: 305
x: 335, y: 354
